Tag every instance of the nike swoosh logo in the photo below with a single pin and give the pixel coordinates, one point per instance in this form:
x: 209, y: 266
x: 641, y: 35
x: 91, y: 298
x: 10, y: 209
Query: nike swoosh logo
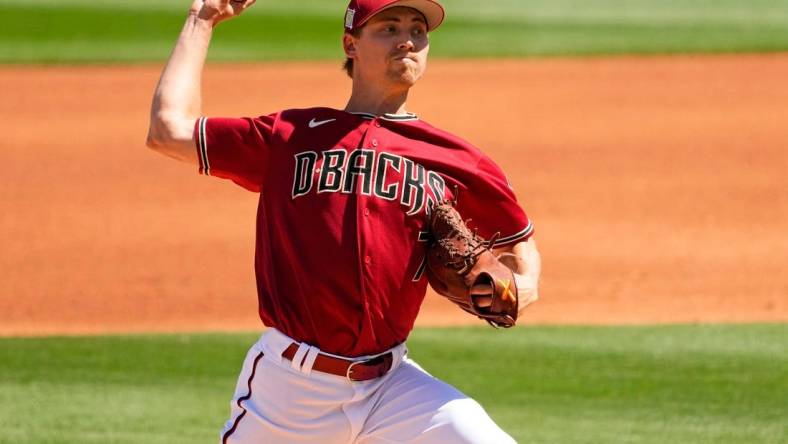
x: 315, y: 123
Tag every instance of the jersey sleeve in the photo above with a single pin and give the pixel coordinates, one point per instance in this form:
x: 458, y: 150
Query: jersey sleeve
x: 492, y: 205
x: 235, y: 148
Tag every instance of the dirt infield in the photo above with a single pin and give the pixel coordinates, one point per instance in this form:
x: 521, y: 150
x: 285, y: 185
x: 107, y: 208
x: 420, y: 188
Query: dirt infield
x: 658, y: 188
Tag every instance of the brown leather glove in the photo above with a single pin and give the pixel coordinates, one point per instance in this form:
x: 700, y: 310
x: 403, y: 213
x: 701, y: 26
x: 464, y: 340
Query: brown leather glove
x: 462, y: 267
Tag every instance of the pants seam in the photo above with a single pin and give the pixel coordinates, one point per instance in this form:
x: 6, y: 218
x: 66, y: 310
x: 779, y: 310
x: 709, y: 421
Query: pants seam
x: 243, y: 398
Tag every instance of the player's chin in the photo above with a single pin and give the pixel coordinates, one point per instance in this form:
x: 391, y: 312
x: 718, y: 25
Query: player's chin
x: 407, y: 75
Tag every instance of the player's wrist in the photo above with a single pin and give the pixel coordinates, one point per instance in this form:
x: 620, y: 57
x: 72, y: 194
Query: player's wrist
x: 202, y: 20
x: 527, y: 289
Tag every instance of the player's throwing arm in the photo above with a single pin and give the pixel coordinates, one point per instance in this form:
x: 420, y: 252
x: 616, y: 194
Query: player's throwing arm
x: 177, y: 100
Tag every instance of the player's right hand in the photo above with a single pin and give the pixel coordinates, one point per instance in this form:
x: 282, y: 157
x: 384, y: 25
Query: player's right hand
x: 217, y: 11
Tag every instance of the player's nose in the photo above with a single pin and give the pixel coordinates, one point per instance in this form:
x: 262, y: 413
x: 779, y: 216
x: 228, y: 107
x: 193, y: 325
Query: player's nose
x: 406, y: 45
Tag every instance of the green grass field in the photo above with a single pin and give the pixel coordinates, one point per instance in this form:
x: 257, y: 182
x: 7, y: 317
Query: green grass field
x: 81, y: 31
x: 669, y: 384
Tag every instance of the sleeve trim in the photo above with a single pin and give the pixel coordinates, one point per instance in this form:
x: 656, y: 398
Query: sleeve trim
x: 202, y: 147
x: 522, y: 234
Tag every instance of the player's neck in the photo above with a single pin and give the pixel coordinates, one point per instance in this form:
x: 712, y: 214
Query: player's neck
x: 376, y: 101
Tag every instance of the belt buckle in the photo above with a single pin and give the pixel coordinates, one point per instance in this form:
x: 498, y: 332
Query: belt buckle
x: 349, y: 373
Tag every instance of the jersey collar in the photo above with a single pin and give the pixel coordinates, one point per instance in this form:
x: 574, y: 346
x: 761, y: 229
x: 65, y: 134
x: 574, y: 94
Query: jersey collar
x: 389, y: 116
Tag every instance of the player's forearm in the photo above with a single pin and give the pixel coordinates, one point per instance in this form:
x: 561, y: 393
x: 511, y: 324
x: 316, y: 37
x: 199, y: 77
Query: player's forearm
x: 528, y: 278
x: 528, y: 253
x: 530, y: 264
x: 179, y: 87
x: 177, y: 100
x: 528, y: 270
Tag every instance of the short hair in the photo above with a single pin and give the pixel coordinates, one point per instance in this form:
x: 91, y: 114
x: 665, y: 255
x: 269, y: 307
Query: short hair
x: 348, y: 65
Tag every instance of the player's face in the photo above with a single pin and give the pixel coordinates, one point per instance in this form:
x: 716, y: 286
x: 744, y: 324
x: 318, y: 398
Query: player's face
x: 393, y: 47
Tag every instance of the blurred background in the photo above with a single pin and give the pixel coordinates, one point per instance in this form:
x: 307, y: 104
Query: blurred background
x: 654, y: 171
x: 646, y: 139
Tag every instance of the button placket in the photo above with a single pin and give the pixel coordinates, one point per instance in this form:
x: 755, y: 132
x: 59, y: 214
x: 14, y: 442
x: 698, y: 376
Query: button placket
x: 371, y: 141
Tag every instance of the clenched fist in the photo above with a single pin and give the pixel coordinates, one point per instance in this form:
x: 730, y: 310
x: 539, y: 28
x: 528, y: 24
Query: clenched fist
x: 217, y: 11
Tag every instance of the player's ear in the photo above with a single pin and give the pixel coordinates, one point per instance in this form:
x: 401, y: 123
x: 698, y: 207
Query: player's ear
x: 349, y: 44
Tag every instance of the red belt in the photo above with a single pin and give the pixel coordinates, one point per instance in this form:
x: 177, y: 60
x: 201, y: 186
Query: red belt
x: 353, y: 370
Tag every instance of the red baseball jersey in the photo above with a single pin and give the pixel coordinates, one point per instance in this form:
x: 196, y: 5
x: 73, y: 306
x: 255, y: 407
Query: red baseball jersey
x: 341, y: 222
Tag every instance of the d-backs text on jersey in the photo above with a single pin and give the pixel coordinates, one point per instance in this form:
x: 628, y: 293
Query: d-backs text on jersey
x: 384, y: 175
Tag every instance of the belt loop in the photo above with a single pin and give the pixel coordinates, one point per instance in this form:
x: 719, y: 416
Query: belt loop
x: 309, y: 361
x: 299, y: 356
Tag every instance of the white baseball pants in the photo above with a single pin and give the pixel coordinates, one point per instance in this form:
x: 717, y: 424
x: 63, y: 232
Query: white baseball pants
x: 278, y: 402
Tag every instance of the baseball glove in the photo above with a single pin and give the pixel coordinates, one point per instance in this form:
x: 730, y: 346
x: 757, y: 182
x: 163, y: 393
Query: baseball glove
x: 462, y: 267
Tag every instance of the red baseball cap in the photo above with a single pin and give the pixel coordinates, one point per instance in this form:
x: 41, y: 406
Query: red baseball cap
x: 359, y: 11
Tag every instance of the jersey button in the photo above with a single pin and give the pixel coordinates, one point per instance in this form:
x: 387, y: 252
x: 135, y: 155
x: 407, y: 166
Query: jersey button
x: 367, y: 260
x: 374, y: 142
x: 377, y: 124
x: 366, y: 211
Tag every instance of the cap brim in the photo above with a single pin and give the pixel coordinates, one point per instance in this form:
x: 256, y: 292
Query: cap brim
x: 433, y: 11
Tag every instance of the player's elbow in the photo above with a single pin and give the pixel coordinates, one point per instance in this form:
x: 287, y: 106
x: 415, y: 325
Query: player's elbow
x: 172, y: 137
x: 160, y: 131
x: 153, y: 141
x: 166, y: 131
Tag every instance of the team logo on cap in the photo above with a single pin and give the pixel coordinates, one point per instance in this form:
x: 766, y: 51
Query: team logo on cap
x: 349, y: 18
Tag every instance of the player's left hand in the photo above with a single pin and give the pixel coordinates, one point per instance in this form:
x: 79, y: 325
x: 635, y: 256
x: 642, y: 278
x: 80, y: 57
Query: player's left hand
x: 527, y: 292
x: 216, y: 11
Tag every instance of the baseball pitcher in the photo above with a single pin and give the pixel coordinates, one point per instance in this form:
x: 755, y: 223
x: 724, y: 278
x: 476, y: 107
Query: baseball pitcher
x: 359, y: 210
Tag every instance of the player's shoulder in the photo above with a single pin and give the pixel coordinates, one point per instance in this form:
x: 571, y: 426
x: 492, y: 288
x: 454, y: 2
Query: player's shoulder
x: 445, y: 139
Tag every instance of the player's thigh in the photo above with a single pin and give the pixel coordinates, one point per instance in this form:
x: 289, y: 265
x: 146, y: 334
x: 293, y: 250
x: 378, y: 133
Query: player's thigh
x: 414, y: 407
x: 275, y: 405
